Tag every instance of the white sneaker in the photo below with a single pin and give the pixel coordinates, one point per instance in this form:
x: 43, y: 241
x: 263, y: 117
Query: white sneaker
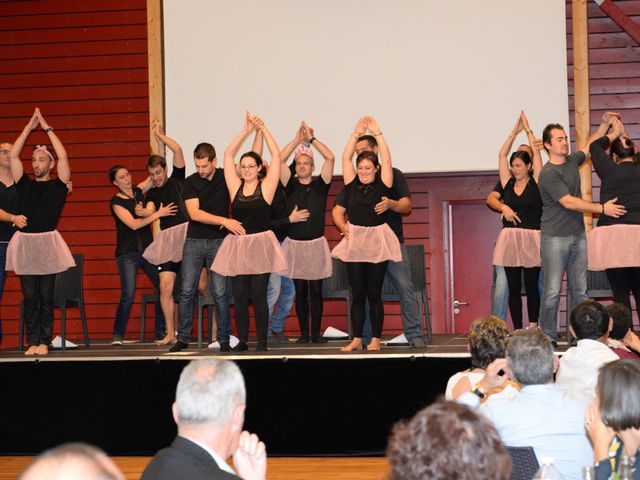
x: 117, y: 341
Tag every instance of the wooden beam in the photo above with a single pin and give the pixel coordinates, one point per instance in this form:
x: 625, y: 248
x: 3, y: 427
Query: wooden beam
x: 579, y: 20
x: 156, y: 70
x: 622, y: 19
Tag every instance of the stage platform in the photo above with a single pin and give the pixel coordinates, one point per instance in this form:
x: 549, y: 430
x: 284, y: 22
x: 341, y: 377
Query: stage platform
x: 301, y: 399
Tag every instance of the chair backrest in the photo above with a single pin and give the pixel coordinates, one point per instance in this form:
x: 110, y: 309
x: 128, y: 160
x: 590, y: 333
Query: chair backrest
x: 68, y: 284
x: 524, y: 463
x: 415, y: 256
x: 336, y: 286
x: 598, y: 285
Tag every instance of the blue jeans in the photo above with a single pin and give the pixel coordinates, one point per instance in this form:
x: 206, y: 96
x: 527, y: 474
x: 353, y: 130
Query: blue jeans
x: 559, y: 254
x: 282, y: 290
x: 399, y: 273
x: 128, y: 265
x: 199, y: 253
x: 3, y: 272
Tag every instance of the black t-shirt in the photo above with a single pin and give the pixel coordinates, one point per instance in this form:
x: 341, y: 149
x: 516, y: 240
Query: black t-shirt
x: 41, y: 203
x: 128, y: 240
x: 399, y: 190
x: 527, y: 205
x: 279, y: 216
x: 9, y: 203
x: 252, y: 211
x: 214, y: 199
x: 312, y: 197
x: 170, y: 192
x: 360, y: 201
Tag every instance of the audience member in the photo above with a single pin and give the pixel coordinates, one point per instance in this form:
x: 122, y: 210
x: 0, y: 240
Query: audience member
x: 209, y: 412
x: 621, y: 332
x: 578, y: 371
x: 445, y: 441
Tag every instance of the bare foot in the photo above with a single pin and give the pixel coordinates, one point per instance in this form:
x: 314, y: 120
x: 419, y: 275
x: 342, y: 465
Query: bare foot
x: 374, y: 344
x: 32, y: 350
x: 356, y: 344
x: 43, y: 349
x: 170, y: 339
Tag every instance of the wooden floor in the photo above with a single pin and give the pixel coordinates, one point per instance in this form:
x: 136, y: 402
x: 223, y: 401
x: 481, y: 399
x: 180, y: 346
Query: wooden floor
x: 314, y: 468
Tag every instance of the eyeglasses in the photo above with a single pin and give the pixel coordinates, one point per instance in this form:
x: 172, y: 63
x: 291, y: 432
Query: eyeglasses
x: 248, y: 167
x: 4, y: 152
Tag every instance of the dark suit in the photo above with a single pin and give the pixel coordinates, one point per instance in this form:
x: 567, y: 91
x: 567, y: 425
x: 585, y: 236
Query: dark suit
x: 184, y: 459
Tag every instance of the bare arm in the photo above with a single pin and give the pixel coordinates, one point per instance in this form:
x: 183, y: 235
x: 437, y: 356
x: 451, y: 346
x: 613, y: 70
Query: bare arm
x: 137, y: 223
x: 338, y: 213
x: 285, y: 173
x: 14, y: 156
x: 348, y: 170
x: 19, y: 221
x: 270, y: 182
x: 329, y: 158
x: 64, y: 170
x: 230, y: 173
x: 258, y: 143
x: 536, y: 147
x: 609, y: 208
x: 503, y: 161
x: 145, y: 185
x: 386, y: 169
x: 601, y: 131
x: 198, y: 215
x: 176, y: 149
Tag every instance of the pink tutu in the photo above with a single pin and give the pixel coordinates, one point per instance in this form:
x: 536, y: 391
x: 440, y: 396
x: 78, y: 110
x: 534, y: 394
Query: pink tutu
x: 613, y: 246
x: 307, y: 259
x: 369, y: 244
x: 167, y: 246
x: 517, y: 247
x: 250, y: 255
x: 38, y: 254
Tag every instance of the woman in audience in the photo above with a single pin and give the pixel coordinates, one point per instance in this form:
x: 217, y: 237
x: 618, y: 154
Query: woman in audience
x: 518, y: 246
x: 622, y: 340
x: 447, y: 441
x: 613, y: 420
x: 487, y: 342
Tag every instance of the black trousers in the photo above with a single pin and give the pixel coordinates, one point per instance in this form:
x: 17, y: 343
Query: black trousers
x: 623, y: 281
x: 365, y: 280
x: 38, y: 307
x: 514, y: 280
x: 254, y: 287
x: 309, y: 290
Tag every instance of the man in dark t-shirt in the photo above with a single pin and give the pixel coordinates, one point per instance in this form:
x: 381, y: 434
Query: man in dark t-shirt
x: 207, y: 201
x: 166, y: 190
x: 397, y: 204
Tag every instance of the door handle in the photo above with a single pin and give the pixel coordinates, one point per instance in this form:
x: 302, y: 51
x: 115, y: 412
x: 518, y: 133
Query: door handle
x: 456, y: 303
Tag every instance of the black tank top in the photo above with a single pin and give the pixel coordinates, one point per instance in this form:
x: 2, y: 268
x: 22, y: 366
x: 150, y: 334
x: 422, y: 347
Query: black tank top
x: 252, y: 211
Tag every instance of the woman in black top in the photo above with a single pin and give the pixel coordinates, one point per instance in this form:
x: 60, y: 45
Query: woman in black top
x: 518, y: 246
x: 133, y: 236
x: 368, y: 242
x: 252, y: 255
x: 615, y: 245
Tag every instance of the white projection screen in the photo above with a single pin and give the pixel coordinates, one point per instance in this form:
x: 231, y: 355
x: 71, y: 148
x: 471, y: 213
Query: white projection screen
x: 445, y: 79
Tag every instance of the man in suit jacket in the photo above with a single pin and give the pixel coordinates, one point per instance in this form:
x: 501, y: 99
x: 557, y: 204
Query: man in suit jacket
x: 209, y: 412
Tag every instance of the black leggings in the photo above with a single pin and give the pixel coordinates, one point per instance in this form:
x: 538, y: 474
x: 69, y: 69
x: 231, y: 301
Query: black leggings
x: 514, y: 280
x: 254, y: 287
x: 623, y: 281
x: 365, y: 280
x: 304, y: 289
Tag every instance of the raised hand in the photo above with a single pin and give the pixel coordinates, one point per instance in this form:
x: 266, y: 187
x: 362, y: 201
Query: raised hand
x: 524, y: 122
x: 301, y: 134
x: 257, y: 122
x: 309, y: 131
x: 250, y: 459
x: 43, y: 122
x: 373, y: 126
x: 361, y: 127
x: 248, y: 123
x: 35, y: 120
x: 608, y: 117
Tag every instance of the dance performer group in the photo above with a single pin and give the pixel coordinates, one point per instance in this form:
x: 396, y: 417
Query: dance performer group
x: 544, y: 233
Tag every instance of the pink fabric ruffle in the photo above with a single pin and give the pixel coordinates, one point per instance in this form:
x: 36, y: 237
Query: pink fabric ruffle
x: 167, y: 246
x: 307, y: 259
x: 613, y: 246
x: 517, y: 247
x: 250, y: 255
x: 369, y: 244
x: 38, y: 254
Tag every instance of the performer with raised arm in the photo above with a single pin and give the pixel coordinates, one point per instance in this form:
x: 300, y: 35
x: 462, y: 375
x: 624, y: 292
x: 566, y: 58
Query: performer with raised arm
x: 368, y: 242
x: 254, y: 252
x: 38, y: 252
x: 166, y: 249
x: 306, y: 248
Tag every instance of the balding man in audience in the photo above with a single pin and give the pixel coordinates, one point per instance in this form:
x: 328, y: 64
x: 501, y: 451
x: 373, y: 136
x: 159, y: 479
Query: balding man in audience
x: 73, y: 461
x: 209, y: 411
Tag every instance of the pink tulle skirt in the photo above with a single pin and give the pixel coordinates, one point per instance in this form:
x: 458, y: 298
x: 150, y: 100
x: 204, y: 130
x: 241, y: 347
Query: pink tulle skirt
x: 250, y: 255
x: 517, y: 247
x: 167, y: 246
x: 368, y: 244
x: 307, y: 259
x: 613, y: 246
x: 38, y: 254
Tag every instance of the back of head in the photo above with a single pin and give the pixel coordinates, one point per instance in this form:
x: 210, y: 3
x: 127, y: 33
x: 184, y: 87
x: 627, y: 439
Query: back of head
x: 620, y: 315
x: 623, y: 148
x: 618, y: 390
x: 208, y: 392
x: 530, y: 357
x: 73, y: 461
x: 156, y: 160
x: 447, y: 441
x: 589, y: 320
x: 487, y: 340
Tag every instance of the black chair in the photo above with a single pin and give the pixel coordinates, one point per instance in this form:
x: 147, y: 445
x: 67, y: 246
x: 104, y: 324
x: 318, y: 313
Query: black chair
x: 415, y: 254
x: 337, y: 287
x: 148, y: 298
x: 524, y: 463
x: 68, y: 293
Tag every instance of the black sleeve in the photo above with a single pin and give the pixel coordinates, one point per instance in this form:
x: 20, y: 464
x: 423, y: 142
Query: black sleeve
x: 400, y: 187
x: 321, y: 186
x: 292, y: 168
x: 342, y: 197
x: 189, y: 191
x: 601, y: 159
x: 178, y: 174
x: 498, y: 188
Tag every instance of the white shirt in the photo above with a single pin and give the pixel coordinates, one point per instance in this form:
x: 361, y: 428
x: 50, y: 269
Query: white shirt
x: 578, y: 372
x: 222, y: 464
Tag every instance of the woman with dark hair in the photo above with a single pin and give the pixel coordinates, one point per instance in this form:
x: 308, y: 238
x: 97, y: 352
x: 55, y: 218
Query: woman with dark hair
x: 613, y: 420
x: 132, y: 237
x: 518, y: 246
x: 368, y: 243
x: 487, y: 342
x: 615, y: 245
x: 251, y: 256
x: 447, y: 440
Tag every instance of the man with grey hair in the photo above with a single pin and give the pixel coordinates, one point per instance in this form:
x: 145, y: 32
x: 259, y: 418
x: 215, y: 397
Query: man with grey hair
x: 541, y: 415
x: 209, y: 412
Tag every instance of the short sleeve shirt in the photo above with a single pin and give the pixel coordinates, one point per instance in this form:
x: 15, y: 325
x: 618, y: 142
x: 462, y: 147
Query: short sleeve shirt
x: 170, y: 192
x: 214, y: 199
x: 399, y: 190
x: 555, y: 182
x: 41, y: 203
x: 312, y: 197
x: 527, y: 205
x: 9, y: 203
x: 127, y: 239
x: 360, y: 201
